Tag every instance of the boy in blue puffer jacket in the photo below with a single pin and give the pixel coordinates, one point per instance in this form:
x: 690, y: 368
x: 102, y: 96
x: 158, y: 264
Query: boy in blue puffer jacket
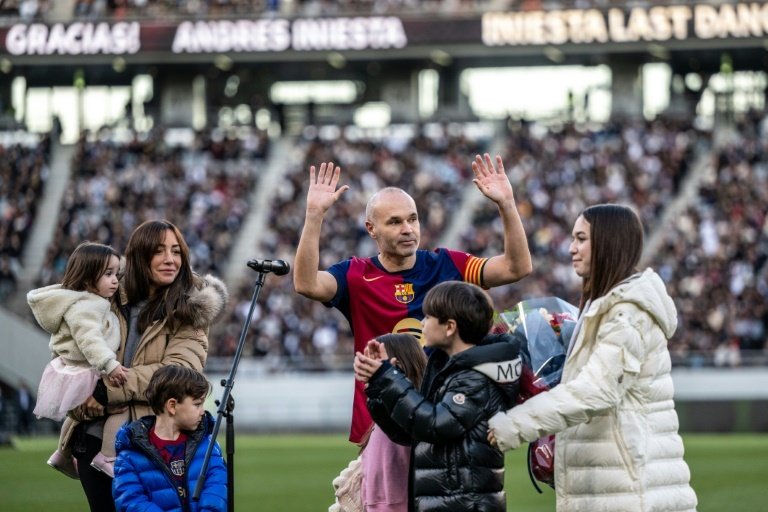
x: 159, y: 458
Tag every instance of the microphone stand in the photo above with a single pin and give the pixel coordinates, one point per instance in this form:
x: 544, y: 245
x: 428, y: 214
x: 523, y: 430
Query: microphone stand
x: 227, y: 403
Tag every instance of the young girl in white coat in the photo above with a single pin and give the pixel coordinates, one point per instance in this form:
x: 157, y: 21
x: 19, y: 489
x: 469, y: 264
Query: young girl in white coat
x: 85, y: 334
x: 617, y: 447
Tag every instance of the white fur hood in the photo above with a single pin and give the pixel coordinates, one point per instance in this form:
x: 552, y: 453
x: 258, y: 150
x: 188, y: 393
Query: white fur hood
x: 51, y: 303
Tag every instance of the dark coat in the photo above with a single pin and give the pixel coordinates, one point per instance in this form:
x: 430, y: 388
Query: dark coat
x: 453, y: 466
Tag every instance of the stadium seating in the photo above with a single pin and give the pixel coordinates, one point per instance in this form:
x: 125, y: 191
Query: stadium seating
x: 712, y: 256
x: 714, y: 259
x: 116, y: 185
x: 24, y: 169
x: 558, y: 172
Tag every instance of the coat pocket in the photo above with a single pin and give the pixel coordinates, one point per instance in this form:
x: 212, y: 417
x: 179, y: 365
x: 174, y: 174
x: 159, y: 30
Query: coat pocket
x: 624, y: 452
x: 630, y: 363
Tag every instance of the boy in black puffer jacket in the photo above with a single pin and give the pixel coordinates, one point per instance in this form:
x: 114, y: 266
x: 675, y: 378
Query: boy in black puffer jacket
x: 469, y: 377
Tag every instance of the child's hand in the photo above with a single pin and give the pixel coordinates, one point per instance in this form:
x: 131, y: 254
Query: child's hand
x: 365, y: 367
x: 376, y: 350
x: 118, y: 376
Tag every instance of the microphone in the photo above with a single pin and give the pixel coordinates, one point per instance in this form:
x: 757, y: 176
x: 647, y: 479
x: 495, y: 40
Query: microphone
x: 277, y: 267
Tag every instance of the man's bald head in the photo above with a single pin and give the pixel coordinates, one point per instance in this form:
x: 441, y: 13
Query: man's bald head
x: 383, y: 196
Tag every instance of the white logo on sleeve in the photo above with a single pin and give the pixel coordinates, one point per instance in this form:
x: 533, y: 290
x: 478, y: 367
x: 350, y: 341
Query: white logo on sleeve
x: 459, y: 398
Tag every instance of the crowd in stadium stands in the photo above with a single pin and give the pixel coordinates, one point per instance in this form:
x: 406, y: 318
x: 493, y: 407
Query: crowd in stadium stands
x: 559, y: 173
x: 115, y: 186
x: 23, y: 173
x: 714, y: 260
x: 434, y: 169
x: 712, y: 256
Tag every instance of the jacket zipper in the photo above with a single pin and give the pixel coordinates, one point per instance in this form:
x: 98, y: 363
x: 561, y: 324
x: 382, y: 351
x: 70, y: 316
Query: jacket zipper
x: 181, y: 491
x: 624, y: 452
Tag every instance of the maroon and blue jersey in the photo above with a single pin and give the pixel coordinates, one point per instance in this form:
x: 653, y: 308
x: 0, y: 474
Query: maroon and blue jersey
x: 377, y: 302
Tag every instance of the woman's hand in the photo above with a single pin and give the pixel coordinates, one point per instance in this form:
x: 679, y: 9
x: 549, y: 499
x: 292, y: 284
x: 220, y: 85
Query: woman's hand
x: 492, y: 438
x: 502, y: 434
x: 93, y: 408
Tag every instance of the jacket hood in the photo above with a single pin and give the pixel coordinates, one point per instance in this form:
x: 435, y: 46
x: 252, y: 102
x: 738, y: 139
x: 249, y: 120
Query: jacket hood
x: 497, y: 357
x: 208, y: 297
x: 137, y: 432
x: 647, y: 291
x: 50, y: 304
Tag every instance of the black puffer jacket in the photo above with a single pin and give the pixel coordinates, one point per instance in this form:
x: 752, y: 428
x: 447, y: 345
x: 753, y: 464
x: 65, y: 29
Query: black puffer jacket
x: 453, y: 467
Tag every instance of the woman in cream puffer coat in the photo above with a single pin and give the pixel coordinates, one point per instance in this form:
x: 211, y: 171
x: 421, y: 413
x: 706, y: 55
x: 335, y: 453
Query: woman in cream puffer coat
x: 617, y: 447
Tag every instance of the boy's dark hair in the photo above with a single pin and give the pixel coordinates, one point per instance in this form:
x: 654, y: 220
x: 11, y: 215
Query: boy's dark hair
x: 177, y: 382
x: 467, y: 304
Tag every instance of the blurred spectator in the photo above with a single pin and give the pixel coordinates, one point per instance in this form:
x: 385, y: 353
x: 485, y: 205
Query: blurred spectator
x: 727, y: 354
x: 25, y: 403
x: 23, y: 173
x: 714, y: 257
x: 563, y: 170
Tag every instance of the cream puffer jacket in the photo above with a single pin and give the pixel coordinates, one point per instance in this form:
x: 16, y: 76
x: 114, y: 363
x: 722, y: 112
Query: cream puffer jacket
x: 84, y: 330
x: 617, y: 447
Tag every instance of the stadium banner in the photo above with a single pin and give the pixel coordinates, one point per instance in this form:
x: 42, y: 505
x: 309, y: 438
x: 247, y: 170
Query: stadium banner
x: 387, y: 33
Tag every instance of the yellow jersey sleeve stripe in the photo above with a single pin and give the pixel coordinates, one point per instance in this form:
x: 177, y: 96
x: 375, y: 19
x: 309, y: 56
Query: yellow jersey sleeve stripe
x: 473, y: 271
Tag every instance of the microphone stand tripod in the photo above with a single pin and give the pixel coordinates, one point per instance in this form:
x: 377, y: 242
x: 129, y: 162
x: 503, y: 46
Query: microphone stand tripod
x: 227, y: 403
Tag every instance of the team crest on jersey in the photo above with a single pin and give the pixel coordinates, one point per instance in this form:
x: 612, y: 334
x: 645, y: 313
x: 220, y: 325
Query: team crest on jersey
x: 177, y: 467
x: 404, y: 293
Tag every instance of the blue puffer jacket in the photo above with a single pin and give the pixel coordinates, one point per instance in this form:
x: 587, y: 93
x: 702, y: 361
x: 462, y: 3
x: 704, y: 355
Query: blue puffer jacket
x: 144, y: 482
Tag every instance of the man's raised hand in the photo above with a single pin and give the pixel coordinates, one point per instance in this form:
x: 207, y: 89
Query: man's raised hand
x: 322, y: 192
x: 492, y: 180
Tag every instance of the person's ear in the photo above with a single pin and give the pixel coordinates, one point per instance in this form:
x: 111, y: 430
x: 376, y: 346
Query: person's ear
x: 370, y: 228
x: 450, y: 327
x: 170, y: 406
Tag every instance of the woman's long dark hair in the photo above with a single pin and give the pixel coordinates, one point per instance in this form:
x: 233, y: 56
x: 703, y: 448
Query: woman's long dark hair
x: 616, y: 238
x: 169, y: 301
